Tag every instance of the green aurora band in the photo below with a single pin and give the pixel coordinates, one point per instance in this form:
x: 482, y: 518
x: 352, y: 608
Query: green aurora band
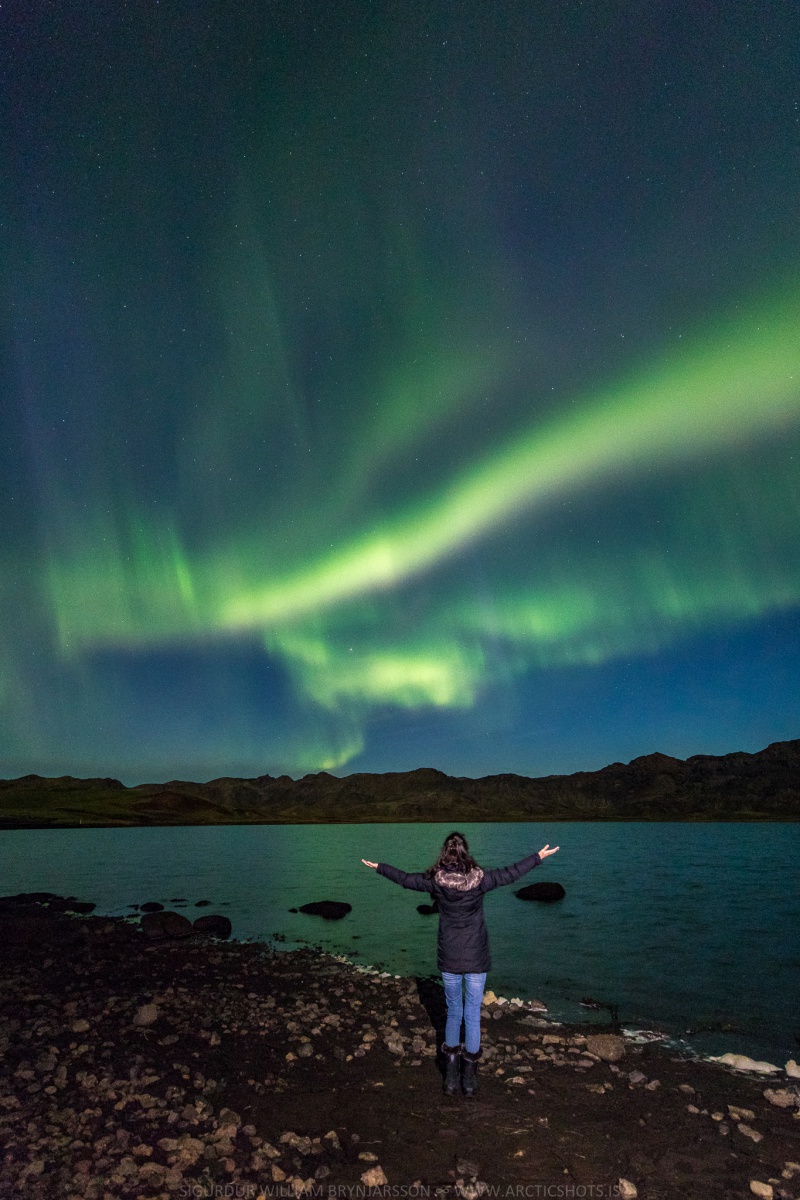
x: 338, y: 618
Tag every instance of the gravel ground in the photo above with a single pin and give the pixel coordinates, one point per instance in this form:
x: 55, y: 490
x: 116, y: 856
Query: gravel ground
x: 132, y: 1067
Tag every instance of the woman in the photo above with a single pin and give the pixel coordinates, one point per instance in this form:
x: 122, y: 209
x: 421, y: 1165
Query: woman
x: 459, y: 885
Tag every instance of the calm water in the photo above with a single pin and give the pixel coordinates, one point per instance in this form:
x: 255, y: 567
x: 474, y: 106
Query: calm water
x: 680, y: 925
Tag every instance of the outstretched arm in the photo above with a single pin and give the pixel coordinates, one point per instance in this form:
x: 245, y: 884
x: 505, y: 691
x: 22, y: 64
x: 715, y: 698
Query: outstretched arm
x: 417, y: 881
x: 501, y: 876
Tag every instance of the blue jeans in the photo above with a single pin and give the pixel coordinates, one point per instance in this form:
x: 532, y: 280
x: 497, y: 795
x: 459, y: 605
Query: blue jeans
x: 469, y: 1008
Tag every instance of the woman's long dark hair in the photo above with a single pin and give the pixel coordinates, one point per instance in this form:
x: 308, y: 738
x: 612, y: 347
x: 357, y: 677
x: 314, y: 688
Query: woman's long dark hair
x: 454, y: 855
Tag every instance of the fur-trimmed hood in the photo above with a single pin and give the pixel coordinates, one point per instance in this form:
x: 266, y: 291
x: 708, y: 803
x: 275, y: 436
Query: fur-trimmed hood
x: 463, y: 882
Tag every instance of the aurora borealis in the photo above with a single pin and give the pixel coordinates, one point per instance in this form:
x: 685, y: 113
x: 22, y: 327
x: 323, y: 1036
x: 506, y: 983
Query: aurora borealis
x: 398, y: 385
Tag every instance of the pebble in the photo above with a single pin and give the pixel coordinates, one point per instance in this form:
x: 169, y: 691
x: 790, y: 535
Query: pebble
x: 374, y: 1177
x: 764, y: 1190
x: 146, y: 1015
x: 467, y: 1166
x: 627, y: 1190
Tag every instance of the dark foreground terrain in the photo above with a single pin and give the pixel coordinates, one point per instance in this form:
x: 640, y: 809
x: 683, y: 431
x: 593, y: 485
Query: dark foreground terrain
x: 730, y: 787
x: 139, y: 1068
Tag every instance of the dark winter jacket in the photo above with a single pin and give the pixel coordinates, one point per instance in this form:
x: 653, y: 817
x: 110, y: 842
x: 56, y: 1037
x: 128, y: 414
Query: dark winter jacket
x: 463, y: 945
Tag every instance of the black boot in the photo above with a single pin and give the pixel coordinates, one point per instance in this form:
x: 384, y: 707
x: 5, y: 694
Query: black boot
x: 453, y: 1056
x: 469, y: 1080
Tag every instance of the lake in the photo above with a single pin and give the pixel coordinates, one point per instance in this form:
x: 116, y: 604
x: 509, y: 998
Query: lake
x: 682, y: 926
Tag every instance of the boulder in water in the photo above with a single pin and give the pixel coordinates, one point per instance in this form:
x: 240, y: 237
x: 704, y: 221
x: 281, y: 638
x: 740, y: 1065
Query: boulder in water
x: 546, y: 892
x: 71, y: 905
x: 331, y: 910
x: 214, y: 924
x: 30, y: 898
x: 165, y: 924
x: 152, y: 906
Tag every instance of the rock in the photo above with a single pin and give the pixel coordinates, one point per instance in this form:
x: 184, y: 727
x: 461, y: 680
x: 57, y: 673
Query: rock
x: 748, y: 1131
x: 201, y: 903
x: 627, y: 1190
x: 544, y: 891
x: 737, y: 1114
x: 80, y: 1026
x: 740, y: 1062
x: 70, y: 905
x: 25, y: 926
x: 301, y: 1144
x: 374, y: 1177
x: 466, y: 1166
x: 607, y: 1046
x: 782, y: 1097
x: 489, y: 997
x: 146, y: 1015
x: 30, y: 898
x: 157, y: 925
x: 331, y: 910
x: 764, y: 1190
x: 152, y: 906
x: 214, y: 924
x: 792, y: 1069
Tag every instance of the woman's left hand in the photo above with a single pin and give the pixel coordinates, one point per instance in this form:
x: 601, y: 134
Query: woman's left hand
x: 368, y: 864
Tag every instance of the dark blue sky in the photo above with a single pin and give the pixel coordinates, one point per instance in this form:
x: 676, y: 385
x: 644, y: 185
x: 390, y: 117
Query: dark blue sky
x: 396, y: 385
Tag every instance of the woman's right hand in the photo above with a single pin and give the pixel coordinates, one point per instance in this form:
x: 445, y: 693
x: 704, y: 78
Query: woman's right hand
x: 545, y: 850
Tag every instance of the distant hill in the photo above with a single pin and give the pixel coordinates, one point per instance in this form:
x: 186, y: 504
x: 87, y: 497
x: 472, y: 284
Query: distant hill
x: 731, y: 787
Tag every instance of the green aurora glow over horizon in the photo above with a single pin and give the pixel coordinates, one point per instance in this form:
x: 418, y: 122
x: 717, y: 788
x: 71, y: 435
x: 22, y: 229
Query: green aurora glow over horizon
x: 324, y: 483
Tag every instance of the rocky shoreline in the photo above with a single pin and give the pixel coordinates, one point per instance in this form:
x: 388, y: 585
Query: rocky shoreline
x: 133, y: 1066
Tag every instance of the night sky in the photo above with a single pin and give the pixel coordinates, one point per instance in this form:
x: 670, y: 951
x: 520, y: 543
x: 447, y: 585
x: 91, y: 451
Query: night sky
x: 393, y: 384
